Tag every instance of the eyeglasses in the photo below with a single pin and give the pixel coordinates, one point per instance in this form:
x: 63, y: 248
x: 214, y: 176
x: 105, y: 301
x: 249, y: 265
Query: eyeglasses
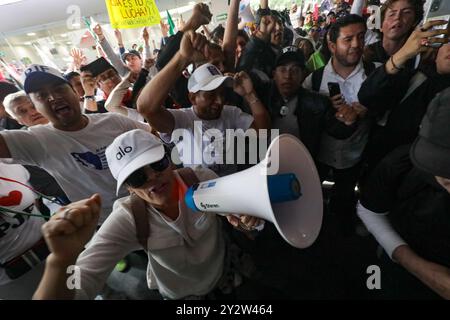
x: 139, y: 177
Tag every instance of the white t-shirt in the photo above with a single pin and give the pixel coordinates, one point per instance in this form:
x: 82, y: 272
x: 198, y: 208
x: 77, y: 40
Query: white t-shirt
x: 200, y: 146
x: 186, y: 256
x: 134, y: 115
x: 75, y: 159
x: 17, y: 233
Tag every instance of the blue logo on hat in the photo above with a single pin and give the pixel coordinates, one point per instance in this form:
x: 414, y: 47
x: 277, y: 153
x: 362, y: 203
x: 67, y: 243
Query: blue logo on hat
x: 36, y: 68
x: 213, y: 70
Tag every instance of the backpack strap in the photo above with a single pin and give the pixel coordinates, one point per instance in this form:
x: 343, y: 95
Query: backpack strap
x: 369, y: 67
x: 316, y: 79
x: 139, y: 212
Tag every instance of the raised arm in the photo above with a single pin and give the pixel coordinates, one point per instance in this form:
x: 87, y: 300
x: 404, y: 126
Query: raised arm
x: 89, y: 85
x: 244, y: 87
x: 200, y: 16
x: 114, y: 102
x: 66, y: 234
x: 147, y: 50
x: 109, y: 52
x: 264, y: 4
x: 119, y: 39
x: 358, y: 7
x: 418, y: 42
x: 150, y: 102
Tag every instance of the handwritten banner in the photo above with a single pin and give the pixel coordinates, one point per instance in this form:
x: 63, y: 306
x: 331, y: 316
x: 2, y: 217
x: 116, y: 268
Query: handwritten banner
x: 127, y: 14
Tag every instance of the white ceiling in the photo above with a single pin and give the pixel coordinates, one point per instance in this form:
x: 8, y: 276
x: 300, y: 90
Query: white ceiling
x: 28, y: 15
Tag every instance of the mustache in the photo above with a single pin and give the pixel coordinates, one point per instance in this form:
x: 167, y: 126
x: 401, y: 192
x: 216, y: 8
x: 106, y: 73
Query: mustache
x: 355, y: 51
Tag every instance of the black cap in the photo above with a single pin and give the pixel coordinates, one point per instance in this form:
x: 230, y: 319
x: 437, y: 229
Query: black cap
x: 130, y: 52
x: 431, y: 150
x: 291, y: 54
x: 6, y: 88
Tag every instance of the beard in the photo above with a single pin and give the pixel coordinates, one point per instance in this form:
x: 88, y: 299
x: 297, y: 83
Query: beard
x: 344, y: 60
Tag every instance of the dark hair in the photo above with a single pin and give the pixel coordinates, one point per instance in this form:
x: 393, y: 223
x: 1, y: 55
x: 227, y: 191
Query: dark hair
x: 6, y: 88
x: 69, y: 76
x: 214, y: 46
x: 243, y: 34
x: 324, y: 50
x: 217, y: 34
x: 417, y: 4
x: 345, y: 21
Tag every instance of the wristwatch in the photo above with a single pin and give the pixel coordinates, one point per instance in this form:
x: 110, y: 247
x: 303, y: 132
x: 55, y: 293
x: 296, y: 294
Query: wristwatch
x: 89, y: 98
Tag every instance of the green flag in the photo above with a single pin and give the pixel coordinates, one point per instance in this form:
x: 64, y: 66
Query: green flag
x: 171, y: 24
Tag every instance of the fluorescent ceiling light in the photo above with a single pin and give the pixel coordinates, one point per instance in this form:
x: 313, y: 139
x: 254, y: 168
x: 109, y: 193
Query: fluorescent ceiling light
x: 5, y: 2
x: 64, y: 35
x: 31, y: 34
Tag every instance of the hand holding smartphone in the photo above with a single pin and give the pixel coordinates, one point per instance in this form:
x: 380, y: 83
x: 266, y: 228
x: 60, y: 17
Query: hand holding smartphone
x: 334, y: 89
x: 438, y: 10
x: 97, y: 66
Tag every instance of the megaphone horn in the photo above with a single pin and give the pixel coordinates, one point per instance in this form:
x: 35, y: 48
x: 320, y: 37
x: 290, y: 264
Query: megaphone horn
x: 284, y: 189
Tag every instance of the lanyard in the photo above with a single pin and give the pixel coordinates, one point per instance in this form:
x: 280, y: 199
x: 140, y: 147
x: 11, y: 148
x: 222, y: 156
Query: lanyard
x: 51, y: 199
x: 7, y: 210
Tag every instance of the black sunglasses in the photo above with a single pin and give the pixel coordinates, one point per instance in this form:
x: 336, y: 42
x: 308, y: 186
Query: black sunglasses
x: 138, y: 178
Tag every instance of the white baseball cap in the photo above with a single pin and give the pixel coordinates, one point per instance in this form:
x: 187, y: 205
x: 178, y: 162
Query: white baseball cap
x: 131, y: 151
x: 207, y: 78
x: 35, y: 75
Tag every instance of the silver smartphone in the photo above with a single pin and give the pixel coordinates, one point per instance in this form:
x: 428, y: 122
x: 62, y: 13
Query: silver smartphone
x: 438, y: 10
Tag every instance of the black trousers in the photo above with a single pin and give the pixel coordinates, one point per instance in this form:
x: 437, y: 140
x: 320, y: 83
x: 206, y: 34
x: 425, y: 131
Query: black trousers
x: 343, y: 197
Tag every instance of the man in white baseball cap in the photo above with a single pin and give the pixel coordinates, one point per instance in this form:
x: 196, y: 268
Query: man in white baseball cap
x: 207, y: 78
x: 207, y: 95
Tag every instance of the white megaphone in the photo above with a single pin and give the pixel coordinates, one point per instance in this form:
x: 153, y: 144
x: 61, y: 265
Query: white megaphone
x: 284, y: 189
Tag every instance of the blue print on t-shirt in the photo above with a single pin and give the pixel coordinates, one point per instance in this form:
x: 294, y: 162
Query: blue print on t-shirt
x: 89, y: 159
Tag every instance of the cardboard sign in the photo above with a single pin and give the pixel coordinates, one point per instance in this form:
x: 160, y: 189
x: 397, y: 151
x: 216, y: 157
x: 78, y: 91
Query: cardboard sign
x: 127, y: 14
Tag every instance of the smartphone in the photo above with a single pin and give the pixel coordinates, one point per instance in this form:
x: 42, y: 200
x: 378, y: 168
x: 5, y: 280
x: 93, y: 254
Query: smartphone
x: 97, y: 67
x: 438, y: 10
x: 334, y: 89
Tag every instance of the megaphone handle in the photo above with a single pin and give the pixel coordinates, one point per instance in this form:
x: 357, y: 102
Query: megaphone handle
x: 243, y: 227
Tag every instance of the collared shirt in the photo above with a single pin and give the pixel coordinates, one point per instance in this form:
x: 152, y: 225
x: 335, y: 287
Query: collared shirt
x: 343, y: 154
